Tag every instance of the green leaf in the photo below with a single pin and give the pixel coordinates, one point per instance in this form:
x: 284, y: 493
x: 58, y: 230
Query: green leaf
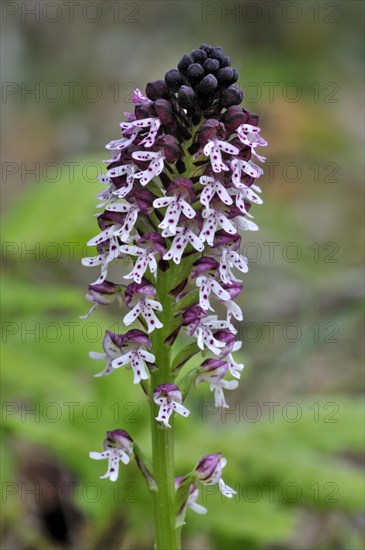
x: 183, y: 356
x: 186, y: 382
x: 187, y: 301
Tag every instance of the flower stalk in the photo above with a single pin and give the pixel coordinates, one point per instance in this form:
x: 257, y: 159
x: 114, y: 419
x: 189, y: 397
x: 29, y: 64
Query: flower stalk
x: 179, y: 187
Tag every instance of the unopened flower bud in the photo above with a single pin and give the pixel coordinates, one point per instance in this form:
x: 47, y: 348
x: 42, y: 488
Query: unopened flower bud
x: 211, y: 65
x: 226, y: 62
x: 234, y: 117
x: 170, y: 147
x: 231, y: 96
x: 184, y: 63
x: 186, y: 97
x: 208, y: 85
x: 173, y: 79
x: 210, y: 130
x: 199, y: 55
x: 234, y: 76
x: 225, y: 75
x: 157, y: 89
x: 195, y: 72
x: 163, y: 109
x: 218, y: 54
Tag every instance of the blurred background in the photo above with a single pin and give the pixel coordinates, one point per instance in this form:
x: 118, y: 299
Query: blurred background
x: 294, y: 434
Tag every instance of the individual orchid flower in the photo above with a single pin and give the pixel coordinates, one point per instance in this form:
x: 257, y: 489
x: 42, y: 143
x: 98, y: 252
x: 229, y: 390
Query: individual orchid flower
x: 137, y: 125
x: 202, y: 327
x: 146, y: 308
x: 113, y: 344
x: 233, y: 290
x: 239, y: 166
x: 101, y: 294
x: 169, y: 399
x: 118, y: 447
x: 155, y: 168
x: 213, y: 371
x: 234, y: 367
x: 137, y: 359
x: 212, y: 187
x: 245, y: 193
x: 108, y: 251
x: 207, y: 285
x: 176, y: 205
x: 126, y: 170
x: 214, y: 149
x: 231, y: 258
x: 213, y: 219
x: 106, y: 194
x: 145, y: 259
x: 184, y: 236
x: 250, y: 135
x: 131, y: 212
x: 209, y: 472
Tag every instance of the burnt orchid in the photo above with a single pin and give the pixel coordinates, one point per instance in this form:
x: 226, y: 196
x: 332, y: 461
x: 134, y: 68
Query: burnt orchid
x: 179, y: 186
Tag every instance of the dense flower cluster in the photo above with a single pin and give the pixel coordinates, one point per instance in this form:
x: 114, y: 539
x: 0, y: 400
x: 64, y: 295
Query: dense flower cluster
x: 180, y: 183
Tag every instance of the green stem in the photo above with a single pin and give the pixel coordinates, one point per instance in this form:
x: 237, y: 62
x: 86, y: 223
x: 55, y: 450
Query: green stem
x: 167, y: 536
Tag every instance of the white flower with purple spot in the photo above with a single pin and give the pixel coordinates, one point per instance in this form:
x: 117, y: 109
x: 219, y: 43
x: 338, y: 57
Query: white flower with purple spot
x: 145, y: 258
x: 155, y: 168
x: 146, y: 308
x: 213, y: 187
x: 207, y: 285
x: 131, y: 211
x: 112, y: 346
x: 240, y: 167
x: 213, y: 372
x: 209, y: 472
x: 176, y: 205
x: 212, y: 220
x: 204, y: 333
x: 183, y: 237
x: 136, y: 358
x: 234, y: 367
x: 250, y: 135
x: 231, y: 258
x: 246, y: 193
x: 118, y: 447
x: 168, y: 398
x: 214, y: 149
x: 108, y: 251
x: 138, y: 125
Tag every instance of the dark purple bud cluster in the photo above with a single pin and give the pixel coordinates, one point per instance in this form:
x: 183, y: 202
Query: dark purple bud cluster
x: 204, y: 83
